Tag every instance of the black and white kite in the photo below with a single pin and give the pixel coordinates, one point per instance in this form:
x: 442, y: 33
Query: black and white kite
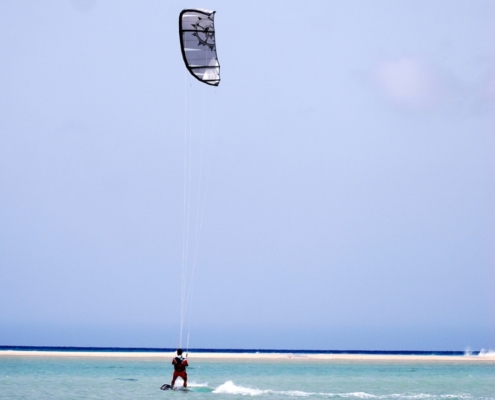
x: 197, y: 43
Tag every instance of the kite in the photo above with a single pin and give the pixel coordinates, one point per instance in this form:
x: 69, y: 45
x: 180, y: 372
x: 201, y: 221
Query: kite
x: 197, y: 43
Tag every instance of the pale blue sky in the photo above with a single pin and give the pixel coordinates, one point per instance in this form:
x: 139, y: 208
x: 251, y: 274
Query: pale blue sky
x: 349, y: 152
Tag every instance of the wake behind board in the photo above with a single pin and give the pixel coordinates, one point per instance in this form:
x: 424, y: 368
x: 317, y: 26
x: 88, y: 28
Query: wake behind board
x: 166, y: 386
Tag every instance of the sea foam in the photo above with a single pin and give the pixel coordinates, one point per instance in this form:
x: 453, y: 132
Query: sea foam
x: 230, y: 387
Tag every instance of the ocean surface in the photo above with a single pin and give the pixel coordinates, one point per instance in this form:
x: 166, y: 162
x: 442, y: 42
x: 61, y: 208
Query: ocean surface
x: 45, y: 377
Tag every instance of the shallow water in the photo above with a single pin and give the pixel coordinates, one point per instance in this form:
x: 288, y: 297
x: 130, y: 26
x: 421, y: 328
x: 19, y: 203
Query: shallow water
x: 101, y: 378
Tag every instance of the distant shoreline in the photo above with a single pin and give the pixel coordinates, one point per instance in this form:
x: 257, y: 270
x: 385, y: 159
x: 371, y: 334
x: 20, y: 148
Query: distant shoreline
x: 249, y: 354
x: 237, y: 351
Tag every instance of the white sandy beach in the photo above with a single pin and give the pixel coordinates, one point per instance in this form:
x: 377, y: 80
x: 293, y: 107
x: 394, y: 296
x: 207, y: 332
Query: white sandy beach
x: 489, y: 358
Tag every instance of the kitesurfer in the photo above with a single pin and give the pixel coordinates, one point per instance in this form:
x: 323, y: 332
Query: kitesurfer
x: 180, y: 364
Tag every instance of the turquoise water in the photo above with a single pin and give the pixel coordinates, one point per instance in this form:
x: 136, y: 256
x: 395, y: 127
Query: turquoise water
x: 97, y: 378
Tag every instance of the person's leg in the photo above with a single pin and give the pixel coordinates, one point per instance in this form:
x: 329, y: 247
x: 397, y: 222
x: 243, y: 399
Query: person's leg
x: 185, y: 379
x: 174, y: 377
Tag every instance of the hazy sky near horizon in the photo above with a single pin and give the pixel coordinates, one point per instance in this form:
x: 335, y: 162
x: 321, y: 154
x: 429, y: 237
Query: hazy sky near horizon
x: 348, y: 175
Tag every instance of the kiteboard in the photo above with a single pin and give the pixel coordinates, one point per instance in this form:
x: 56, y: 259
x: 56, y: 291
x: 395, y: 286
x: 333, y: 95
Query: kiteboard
x: 166, y: 386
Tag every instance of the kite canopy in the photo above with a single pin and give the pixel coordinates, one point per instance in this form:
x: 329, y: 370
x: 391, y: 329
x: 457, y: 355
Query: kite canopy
x: 197, y: 43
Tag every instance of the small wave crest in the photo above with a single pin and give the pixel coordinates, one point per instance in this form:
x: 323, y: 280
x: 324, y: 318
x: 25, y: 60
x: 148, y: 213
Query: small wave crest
x: 230, y: 387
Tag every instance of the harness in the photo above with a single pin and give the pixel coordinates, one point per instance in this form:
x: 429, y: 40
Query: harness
x: 178, y: 366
